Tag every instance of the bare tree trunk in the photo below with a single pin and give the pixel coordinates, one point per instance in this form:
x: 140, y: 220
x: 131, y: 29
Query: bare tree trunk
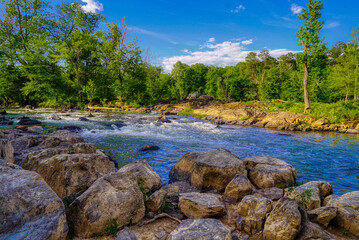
x: 305, y: 86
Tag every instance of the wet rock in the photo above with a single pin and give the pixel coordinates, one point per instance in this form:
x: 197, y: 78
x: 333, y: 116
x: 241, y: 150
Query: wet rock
x: 56, y: 117
x: 348, y: 211
x: 323, y: 215
x: 169, y: 194
x: 201, y: 205
x: 29, y: 208
x: 164, y: 119
x: 3, y: 112
x: 284, y: 222
x: 74, y: 129
x: 200, y: 229
x: 115, y: 196
x: 208, y: 170
x: 150, y: 148
x: 28, y: 121
x: 69, y: 170
x: 270, y: 193
x: 90, y: 115
x: 125, y: 234
x: 5, y: 122
x: 238, y: 188
x: 310, y: 195
x: 61, y: 138
x: 83, y: 119
x: 313, y: 231
x: 252, y: 213
x: 267, y: 172
x: 147, y: 179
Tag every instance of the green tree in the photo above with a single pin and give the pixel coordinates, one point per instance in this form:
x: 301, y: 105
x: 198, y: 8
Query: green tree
x: 309, y: 39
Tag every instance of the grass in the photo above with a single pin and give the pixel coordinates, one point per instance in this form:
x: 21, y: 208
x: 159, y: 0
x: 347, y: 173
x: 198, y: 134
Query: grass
x: 189, y: 112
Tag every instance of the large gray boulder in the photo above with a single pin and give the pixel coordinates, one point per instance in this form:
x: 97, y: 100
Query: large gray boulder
x: 70, y: 169
x: 115, y: 196
x: 211, y: 170
x: 268, y: 172
x: 201, y: 229
x: 29, y: 209
x: 284, y: 222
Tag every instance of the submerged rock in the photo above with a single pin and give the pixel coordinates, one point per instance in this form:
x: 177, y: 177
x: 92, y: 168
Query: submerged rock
x: 115, y: 197
x: 268, y: 172
x: 29, y: 208
x: 150, y: 148
x: 83, y: 119
x: 284, y: 222
x: 208, y: 170
x: 74, y: 129
x: 201, y: 205
x: 147, y: 179
x: 56, y: 117
x: 201, y: 229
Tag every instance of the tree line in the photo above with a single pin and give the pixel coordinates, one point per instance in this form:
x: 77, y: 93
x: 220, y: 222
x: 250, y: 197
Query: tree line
x: 59, y: 56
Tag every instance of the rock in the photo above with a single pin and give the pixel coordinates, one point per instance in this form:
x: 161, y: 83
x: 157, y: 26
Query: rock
x: 193, y: 96
x: 323, y: 215
x: 284, y: 222
x: 150, y: 148
x: 28, y: 121
x: 90, y: 115
x: 267, y: 172
x: 170, y: 194
x: 313, y: 231
x: 252, y: 213
x: 206, y: 98
x: 73, y: 129
x: 115, y: 196
x: 238, y: 188
x: 61, y: 138
x: 3, y: 112
x: 5, y: 122
x: 147, y: 179
x: 270, y: 193
x: 29, y: 208
x: 161, y: 235
x: 125, y: 234
x: 56, y: 117
x: 330, y: 200
x: 83, y: 119
x: 201, y: 205
x: 208, y: 170
x: 276, y: 119
x: 70, y: 170
x: 163, y: 119
x: 310, y: 195
x: 201, y: 229
x: 348, y: 211
x: 320, y: 123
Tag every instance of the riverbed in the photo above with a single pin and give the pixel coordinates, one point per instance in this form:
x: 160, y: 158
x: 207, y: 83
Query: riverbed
x: 331, y: 157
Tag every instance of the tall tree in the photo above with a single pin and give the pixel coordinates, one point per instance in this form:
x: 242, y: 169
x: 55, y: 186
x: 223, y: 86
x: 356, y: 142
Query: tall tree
x: 313, y: 44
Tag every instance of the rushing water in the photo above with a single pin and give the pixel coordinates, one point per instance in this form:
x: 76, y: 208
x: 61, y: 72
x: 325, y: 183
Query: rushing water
x: 316, y: 156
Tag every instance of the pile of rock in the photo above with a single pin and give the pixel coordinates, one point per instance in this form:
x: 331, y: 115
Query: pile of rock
x: 212, y: 195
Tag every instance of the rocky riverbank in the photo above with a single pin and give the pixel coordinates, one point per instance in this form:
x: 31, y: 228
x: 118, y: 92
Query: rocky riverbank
x: 57, y: 186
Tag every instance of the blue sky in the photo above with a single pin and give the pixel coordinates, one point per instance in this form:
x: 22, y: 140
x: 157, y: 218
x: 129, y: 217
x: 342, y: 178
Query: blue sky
x: 221, y: 32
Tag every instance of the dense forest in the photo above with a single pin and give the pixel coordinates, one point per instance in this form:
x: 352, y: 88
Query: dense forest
x: 61, y: 56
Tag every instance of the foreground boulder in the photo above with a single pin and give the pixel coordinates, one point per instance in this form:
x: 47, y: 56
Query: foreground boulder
x: 252, y: 213
x: 61, y: 138
x: 310, y: 195
x: 69, y: 170
x: 148, y: 179
x: 201, y: 205
x: 284, y: 222
x: 314, y: 231
x: 114, y: 197
x: 168, y: 194
x: 238, y: 188
x: 201, y: 229
x: 348, y: 211
x: 29, y: 208
x: 323, y: 215
x: 268, y: 172
x: 208, y: 170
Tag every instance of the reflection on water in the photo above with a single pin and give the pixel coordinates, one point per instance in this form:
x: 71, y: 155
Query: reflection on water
x: 316, y: 156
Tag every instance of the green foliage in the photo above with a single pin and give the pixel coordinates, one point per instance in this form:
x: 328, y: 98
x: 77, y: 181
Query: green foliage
x: 111, y: 227
x: 189, y: 112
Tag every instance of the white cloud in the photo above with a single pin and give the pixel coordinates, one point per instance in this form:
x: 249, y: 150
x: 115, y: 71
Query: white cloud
x: 238, y: 8
x: 218, y: 54
x: 211, y: 40
x: 247, y: 42
x: 92, y: 6
x: 296, y: 9
x: 331, y: 24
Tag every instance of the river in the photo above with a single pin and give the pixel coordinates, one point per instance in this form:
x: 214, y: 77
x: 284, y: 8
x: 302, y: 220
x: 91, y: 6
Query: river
x: 331, y: 157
